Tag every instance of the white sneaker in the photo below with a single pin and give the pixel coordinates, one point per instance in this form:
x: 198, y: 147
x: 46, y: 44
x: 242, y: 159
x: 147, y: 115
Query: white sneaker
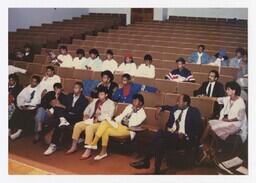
x: 51, y: 149
x: 63, y: 122
x: 16, y: 134
x: 99, y: 157
x: 90, y: 147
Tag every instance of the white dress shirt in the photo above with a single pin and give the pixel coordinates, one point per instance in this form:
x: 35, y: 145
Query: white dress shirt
x: 129, y: 68
x: 199, y: 60
x: 24, y: 98
x: 47, y: 84
x: 67, y: 60
x: 208, y: 87
x: 182, y: 121
x: 79, y: 63
x: 75, y: 98
x: 12, y: 69
x: 110, y: 65
x: 146, y: 71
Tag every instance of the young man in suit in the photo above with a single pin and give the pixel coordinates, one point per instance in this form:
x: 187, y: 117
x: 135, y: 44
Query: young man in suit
x: 183, y: 129
x: 66, y: 115
x: 212, y: 88
x: 27, y: 102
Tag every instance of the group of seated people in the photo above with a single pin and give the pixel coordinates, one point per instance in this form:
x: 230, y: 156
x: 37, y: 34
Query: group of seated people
x: 147, y: 69
x: 43, y: 104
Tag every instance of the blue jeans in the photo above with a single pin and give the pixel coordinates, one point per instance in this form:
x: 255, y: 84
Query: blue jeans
x: 41, y: 117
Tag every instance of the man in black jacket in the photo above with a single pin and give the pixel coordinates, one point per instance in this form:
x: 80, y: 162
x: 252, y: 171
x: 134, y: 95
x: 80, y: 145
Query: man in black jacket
x: 183, y: 129
x: 212, y: 88
x: 47, y: 107
x: 68, y: 115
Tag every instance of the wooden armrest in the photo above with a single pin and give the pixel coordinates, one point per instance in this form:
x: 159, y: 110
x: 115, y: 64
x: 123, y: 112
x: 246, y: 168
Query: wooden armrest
x: 137, y: 128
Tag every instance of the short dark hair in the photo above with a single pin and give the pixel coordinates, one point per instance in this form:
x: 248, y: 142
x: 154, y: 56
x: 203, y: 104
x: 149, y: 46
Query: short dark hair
x: 57, y: 85
x: 80, y: 51
x: 50, y: 67
x: 186, y: 98
x: 234, y: 86
x: 108, y: 73
x: 240, y: 50
x: 14, y: 77
x: 180, y: 59
x: 103, y: 89
x: 110, y: 52
x: 217, y: 75
x: 139, y: 97
x: 94, y: 51
x: 128, y: 76
x: 37, y: 78
x: 79, y: 84
x: 63, y: 47
x: 201, y: 46
x: 148, y: 57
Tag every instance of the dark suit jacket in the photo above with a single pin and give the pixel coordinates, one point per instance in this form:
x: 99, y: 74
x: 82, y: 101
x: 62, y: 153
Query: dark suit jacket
x: 193, y: 121
x: 218, y: 90
x: 79, y: 106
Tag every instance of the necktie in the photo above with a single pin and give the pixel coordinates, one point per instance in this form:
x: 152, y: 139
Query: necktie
x: 32, y: 95
x: 177, y: 121
x: 209, y: 90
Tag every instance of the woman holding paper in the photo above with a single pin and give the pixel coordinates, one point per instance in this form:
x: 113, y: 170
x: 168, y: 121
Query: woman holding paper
x: 132, y: 116
x: 97, y: 111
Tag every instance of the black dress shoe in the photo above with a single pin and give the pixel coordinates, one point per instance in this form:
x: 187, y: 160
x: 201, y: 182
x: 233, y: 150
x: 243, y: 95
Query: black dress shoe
x: 140, y: 164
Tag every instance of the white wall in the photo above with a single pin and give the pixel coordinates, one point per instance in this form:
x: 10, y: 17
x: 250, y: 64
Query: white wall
x: 25, y: 17
x: 126, y: 11
x: 160, y: 14
x: 240, y: 13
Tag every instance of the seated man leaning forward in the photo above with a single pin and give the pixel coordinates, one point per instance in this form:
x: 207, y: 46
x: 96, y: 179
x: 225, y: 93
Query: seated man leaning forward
x: 98, y: 110
x: 132, y: 116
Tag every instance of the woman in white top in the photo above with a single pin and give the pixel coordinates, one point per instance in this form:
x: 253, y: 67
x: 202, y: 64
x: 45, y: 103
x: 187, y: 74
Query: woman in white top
x: 64, y: 58
x: 49, y: 80
x: 127, y: 67
x: 146, y: 70
x: 93, y: 63
x: 80, y: 60
x: 109, y: 64
x: 132, y: 116
x: 233, y: 119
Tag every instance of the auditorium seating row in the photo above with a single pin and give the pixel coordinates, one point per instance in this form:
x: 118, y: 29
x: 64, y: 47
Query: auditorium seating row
x: 49, y: 35
x: 70, y: 75
x: 165, y: 61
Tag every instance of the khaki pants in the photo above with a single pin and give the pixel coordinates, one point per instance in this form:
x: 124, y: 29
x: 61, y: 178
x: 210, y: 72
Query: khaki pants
x: 89, y: 130
x: 105, y: 130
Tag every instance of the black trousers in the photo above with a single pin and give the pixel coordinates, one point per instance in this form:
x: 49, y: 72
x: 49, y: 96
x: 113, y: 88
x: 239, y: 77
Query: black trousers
x: 63, y: 131
x: 162, y: 142
x: 22, y: 119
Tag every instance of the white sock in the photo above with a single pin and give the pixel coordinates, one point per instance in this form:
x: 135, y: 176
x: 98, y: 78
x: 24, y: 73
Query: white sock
x: 16, y: 134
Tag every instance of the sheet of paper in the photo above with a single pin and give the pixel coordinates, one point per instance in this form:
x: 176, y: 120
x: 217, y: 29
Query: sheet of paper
x: 242, y: 170
x: 232, y: 162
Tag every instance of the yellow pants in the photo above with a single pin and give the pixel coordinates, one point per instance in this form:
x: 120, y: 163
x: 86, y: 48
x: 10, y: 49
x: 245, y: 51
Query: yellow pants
x: 105, y: 130
x: 88, y: 129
